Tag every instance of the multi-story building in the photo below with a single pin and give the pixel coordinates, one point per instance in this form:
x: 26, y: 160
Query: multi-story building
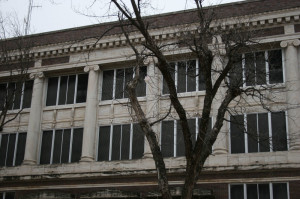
x: 75, y: 137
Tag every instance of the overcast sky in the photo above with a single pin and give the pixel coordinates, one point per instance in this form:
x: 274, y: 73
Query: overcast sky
x: 50, y: 15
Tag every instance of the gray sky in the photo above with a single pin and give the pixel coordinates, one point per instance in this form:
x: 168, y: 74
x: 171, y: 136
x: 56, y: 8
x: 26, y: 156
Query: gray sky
x: 49, y: 15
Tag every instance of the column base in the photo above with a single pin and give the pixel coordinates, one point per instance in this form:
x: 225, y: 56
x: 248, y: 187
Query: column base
x: 87, y: 159
x: 219, y: 151
x: 29, y: 162
x: 147, y: 155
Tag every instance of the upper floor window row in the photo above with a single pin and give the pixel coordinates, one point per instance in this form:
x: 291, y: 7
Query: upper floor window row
x: 114, y: 83
x: 12, y: 149
x: 259, y: 132
x: 258, y: 68
x: 187, y: 77
x: 172, y: 141
x: 120, y: 142
x: 16, y: 95
x: 61, y: 146
x: 68, y: 89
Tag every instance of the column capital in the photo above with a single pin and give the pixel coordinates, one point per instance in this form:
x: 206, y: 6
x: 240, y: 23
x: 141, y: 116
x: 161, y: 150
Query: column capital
x: 36, y: 75
x: 293, y: 42
x: 93, y: 67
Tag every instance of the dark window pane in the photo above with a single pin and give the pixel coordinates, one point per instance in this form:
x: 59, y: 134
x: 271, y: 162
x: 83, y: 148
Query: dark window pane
x: 137, y: 142
x: 263, y: 129
x: 63, y: 90
x: 201, y: 80
x: 125, y: 142
x: 104, y: 143
x: 236, y: 192
x: 71, y: 89
x: 279, y: 136
x: 82, y: 88
x: 52, y: 91
x: 191, y: 75
x: 116, y: 137
x: 1, y: 195
x: 77, y: 145
x: 27, y: 94
x: 209, y: 127
x: 172, y: 72
x: 128, y: 77
x: 3, y: 149
x: 107, y: 85
x: 280, y: 191
x: 249, y: 69
x: 252, y: 191
x: 11, y: 95
x: 18, y: 94
x: 260, y: 62
x: 9, y: 195
x: 141, y: 87
x: 11, y: 149
x: 167, y: 138
x: 236, y: 73
x: 57, y: 147
x: 119, y: 91
x: 264, y: 191
x: 192, y: 125
x: 181, y: 77
x: 237, y: 134
x: 46, y: 147
x: 275, y: 66
x: 2, y: 94
x: 66, y: 146
x: 20, y: 148
x: 252, y: 133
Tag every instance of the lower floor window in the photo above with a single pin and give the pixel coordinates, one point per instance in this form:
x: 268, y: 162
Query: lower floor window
x: 12, y: 149
x: 120, y: 142
x: 259, y: 191
x: 7, y: 195
x: 258, y: 132
x: 61, y: 146
x: 171, y: 137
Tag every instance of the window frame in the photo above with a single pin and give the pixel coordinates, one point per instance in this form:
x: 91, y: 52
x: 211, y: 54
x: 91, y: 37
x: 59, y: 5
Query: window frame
x: 58, y: 89
x: 267, y: 68
x: 21, y: 102
x: 111, y: 132
x: 270, y: 188
x: 52, y: 145
x: 270, y: 132
x: 197, y: 76
x: 113, y: 97
x: 15, y: 147
x: 197, y: 120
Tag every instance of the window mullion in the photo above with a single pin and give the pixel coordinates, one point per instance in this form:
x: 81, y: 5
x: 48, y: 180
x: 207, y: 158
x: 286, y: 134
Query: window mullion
x: 58, y: 89
x: 271, y: 190
x: 75, y: 89
x: 258, y: 133
x: 255, y: 70
x: 66, y: 99
x: 186, y: 77
x: 114, y: 84
x: 130, y: 141
x: 175, y: 138
x: 176, y: 74
x: 110, y: 142
x: 197, y: 77
x: 267, y: 68
x: 287, y: 129
x: 270, y: 131
x: 245, y: 191
x: 15, y: 150
x: 52, y: 146
x: 120, y: 143
x: 70, y: 144
x: 6, y: 151
x: 246, y: 134
x: 22, y: 95
x: 244, y: 69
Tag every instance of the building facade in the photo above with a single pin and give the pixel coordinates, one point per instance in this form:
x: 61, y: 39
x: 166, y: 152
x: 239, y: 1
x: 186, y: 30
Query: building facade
x: 76, y: 137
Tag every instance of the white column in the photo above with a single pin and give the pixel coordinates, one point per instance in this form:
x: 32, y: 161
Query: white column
x: 292, y: 91
x: 90, y: 121
x: 34, y: 126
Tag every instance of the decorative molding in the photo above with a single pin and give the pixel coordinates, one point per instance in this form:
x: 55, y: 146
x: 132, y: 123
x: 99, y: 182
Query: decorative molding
x: 39, y: 75
x: 294, y: 42
x: 89, y: 68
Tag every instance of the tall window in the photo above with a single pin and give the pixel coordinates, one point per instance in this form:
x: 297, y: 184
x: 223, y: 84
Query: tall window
x: 261, y: 132
x: 61, y: 146
x: 120, y: 142
x: 17, y: 94
x: 12, y: 149
x: 258, y: 68
x: 187, y: 77
x: 259, y: 191
x: 7, y: 195
x: 69, y: 89
x: 114, y: 83
x: 172, y: 142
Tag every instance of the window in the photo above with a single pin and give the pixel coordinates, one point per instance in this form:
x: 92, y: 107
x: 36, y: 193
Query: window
x: 259, y: 191
x: 114, y: 83
x: 61, y: 146
x: 187, y: 77
x: 19, y: 94
x: 258, y: 68
x: 120, y: 142
x: 69, y: 89
x: 259, y: 132
x: 12, y: 148
x: 172, y: 141
x: 7, y: 195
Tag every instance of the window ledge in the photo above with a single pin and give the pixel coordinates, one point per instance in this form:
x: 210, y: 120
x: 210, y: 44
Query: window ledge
x: 187, y: 94
x: 268, y: 86
x: 120, y: 101
x: 15, y: 111
x: 66, y: 106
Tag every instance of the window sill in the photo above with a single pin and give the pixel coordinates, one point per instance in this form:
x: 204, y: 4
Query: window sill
x: 120, y: 101
x: 186, y: 94
x: 267, y: 86
x: 66, y: 106
x: 15, y: 111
